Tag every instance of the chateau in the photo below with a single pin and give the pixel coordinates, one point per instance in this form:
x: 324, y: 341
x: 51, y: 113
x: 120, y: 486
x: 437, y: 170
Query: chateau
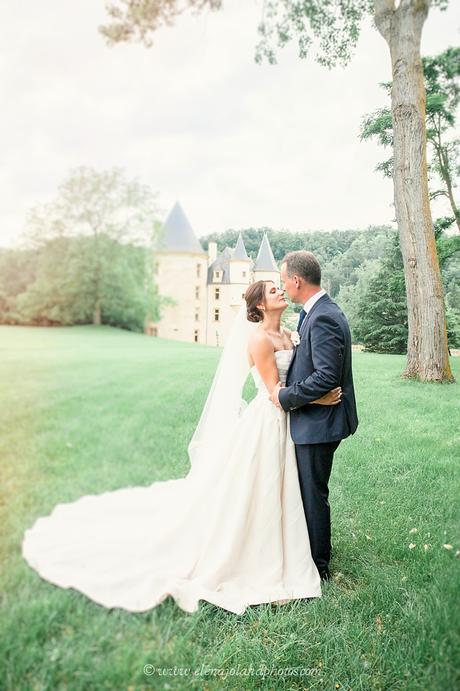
x: 205, y: 290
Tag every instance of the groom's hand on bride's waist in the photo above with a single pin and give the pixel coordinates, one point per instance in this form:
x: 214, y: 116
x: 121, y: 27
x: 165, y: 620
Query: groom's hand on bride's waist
x: 274, y: 396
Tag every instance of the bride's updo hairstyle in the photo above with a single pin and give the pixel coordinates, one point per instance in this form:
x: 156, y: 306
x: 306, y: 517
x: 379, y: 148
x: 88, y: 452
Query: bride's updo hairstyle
x: 255, y: 295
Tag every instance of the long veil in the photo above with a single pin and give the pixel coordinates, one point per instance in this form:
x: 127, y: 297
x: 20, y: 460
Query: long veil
x: 224, y: 403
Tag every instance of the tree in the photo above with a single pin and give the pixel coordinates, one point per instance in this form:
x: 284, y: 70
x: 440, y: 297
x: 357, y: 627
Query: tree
x: 449, y: 254
x: 140, y: 18
x: 17, y: 271
x: 350, y: 295
x: 102, y: 207
x: 61, y: 292
x: 325, y: 245
x: 340, y: 252
x: 335, y: 24
x: 377, y: 305
x: 51, y: 285
x: 441, y: 74
x: 381, y: 314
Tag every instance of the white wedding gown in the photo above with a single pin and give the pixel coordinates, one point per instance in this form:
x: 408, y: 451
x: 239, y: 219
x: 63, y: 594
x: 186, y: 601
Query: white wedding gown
x: 234, y: 537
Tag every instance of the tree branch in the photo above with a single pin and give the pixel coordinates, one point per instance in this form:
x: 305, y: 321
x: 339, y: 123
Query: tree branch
x: 383, y: 13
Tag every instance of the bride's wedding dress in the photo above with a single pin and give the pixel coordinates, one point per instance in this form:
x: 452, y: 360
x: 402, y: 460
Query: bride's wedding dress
x: 233, y: 533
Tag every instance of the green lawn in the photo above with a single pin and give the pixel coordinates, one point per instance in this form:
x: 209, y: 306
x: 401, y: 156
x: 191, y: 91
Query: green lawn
x: 89, y: 409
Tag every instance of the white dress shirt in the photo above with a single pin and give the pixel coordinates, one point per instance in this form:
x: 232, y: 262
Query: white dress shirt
x: 314, y: 298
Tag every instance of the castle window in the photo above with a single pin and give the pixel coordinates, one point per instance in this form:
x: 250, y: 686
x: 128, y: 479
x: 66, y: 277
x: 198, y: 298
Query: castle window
x: 216, y: 315
x: 242, y: 295
x: 195, y: 336
x: 244, y: 274
x: 217, y: 293
x: 198, y: 270
x: 197, y: 316
x: 197, y: 293
x: 217, y: 274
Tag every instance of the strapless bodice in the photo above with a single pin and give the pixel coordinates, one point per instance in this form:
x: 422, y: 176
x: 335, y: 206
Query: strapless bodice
x: 283, y: 359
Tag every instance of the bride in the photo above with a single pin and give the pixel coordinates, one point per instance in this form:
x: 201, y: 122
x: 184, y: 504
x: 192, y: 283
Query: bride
x: 233, y: 531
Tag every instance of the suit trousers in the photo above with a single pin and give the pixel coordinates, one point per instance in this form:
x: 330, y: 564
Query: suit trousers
x: 314, y: 465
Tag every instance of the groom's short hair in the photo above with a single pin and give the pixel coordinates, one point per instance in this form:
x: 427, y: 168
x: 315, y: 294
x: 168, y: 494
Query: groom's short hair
x: 304, y: 264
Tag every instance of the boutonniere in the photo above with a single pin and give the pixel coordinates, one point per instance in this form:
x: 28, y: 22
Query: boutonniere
x: 295, y: 338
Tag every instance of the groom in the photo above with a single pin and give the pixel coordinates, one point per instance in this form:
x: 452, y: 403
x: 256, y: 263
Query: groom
x: 321, y: 361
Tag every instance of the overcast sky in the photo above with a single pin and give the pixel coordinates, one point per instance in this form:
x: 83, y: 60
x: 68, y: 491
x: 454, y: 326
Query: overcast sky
x: 194, y: 117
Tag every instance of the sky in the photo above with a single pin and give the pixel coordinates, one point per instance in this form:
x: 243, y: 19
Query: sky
x: 194, y: 117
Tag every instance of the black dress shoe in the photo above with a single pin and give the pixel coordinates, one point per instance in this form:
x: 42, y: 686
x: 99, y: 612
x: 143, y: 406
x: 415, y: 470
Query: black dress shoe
x: 325, y: 575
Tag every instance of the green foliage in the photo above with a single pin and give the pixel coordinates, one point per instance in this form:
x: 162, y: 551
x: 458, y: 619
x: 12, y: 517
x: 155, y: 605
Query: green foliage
x: 129, y: 294
x: 343, y: 269
x: 451, y: 280
x: 17, y: 271
x: 351, y: 295
x: 57, y: 283
x: 60, y: 293
x: 376, y: 305
x: 380, y: 323
x: 363, y: 271
x: 447, y: 245
x: 382, y: 308
x: 324, y: 244
x: 379, y: 125
x: 332, y: 26
x: 453, y: 323
x: 91, y: 259
x: 340, y: 252
x: 135, y: 20
x: 442, y: 87
x: 92, y: 202
x: 57, y: 286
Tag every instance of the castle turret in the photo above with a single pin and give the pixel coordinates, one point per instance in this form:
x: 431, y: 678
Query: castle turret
x: 228, y: 278
x: 265, y: 268
x: 181, y: 270
x: 240, y: 265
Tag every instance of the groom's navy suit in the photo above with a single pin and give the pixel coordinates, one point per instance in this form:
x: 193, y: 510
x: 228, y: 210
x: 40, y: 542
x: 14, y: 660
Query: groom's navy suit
x: 321, y: 361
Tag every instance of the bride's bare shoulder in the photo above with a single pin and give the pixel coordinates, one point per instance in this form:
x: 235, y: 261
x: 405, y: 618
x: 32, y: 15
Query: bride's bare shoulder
x: 260, y: 341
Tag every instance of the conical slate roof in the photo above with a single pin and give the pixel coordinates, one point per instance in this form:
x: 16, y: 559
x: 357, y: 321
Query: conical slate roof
x: 178, y: 233
x: 265, y: 260
x: 240, y: 250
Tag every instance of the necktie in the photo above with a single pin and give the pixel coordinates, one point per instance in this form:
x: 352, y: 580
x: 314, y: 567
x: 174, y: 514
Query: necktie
x: 302, y: 316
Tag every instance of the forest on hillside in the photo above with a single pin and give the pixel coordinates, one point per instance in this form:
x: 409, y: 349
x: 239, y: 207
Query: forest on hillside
x: 363, y: 271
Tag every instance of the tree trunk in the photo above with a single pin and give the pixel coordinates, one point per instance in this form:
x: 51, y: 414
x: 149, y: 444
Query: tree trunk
x: 97, y: 318
x: 427, y: 352
x: 97, y: 311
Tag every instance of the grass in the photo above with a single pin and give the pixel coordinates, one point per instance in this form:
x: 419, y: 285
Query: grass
x: 90, y: 409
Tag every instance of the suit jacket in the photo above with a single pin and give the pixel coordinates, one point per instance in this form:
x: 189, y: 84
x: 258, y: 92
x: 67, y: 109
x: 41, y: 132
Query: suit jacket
x: 321, y: 362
